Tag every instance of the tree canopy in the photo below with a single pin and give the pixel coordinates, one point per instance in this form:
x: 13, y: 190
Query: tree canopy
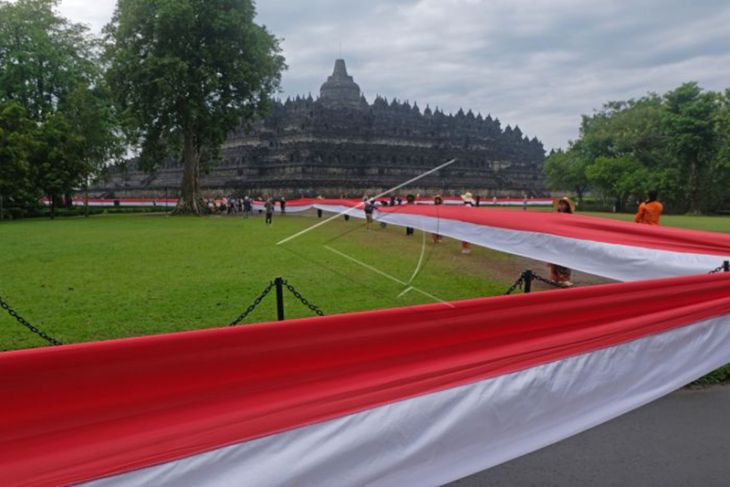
x: 678, y: 144
x: 184, y: 74
x: 55, y: 110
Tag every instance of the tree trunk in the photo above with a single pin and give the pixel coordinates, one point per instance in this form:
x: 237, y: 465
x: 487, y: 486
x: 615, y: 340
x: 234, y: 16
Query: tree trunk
x: 54, y: 203
x: 190, y: 201
x: 579, y: 193
x: 86, y: 198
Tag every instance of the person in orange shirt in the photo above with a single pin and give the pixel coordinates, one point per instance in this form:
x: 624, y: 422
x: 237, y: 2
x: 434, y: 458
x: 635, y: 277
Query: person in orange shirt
x: 650, y: 211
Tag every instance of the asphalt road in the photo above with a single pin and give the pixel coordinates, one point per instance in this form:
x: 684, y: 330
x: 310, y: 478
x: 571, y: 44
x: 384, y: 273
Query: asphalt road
x: 680, y: 440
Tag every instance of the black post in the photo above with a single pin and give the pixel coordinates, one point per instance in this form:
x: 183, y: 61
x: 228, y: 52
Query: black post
x: 319, y: 213
x: 527, y: 275
x: 279, y: 282
x: 726, y: 266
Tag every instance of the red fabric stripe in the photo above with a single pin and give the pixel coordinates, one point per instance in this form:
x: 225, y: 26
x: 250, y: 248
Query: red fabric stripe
x: 79, y: 412
x: 581, y: 227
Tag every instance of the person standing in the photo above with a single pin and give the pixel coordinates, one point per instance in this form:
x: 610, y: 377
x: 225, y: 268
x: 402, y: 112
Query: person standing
x: 282, y: 203
x: 269, y: 207
x: 369, y: 210
x: 410, y: 200
x: 650, y: 211
x: 247, y: 207
x: 438, y: 200
x: 559, y: 274
x: 468, y: 202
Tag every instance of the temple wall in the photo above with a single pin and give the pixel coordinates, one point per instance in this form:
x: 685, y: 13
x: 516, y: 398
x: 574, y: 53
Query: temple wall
x: 333, y: 147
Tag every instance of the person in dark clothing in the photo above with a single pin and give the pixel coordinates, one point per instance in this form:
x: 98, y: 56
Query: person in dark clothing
x: 369, y: 210
x: 247, y: 207
x: 269, y: 207
x: 410, y: 200
x: 438, y: 200
x: 282, y: 203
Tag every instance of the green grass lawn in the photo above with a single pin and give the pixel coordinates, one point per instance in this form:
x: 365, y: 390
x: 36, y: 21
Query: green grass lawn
x: 127, y: 275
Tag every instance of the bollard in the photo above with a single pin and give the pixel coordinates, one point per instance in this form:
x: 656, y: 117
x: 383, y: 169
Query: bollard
x: 279, y: 282
x: 527, y: 276
x: 319, y: 213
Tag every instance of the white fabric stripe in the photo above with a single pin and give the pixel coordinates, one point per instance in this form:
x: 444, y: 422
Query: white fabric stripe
x: 443, y: 436
x: 614, y: 261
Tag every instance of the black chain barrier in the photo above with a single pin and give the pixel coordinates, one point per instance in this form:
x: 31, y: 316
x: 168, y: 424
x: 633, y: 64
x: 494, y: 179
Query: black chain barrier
x: 304, y: 300
x: 525, y: 282
x: 253, y: 305
x: 280, y: 305
x: 518, y: 284
x: 30, y: 327
x: 547, y: 281
x: 725, y: 267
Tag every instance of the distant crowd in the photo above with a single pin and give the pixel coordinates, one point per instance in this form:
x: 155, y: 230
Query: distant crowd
x: 242, y: 206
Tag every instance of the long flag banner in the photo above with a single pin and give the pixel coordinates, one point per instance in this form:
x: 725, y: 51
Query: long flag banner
x: 609, y: 248
x: 296, y: 205
x: 420, y: 395
x: 614, y: 249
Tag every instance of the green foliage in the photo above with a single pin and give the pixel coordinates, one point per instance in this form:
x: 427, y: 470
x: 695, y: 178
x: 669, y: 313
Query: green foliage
x: 49, y: 67
x: 719, y: 376
x: 185, y: 73
x: 621, y: 176
x: 565, y: 170
x: 17, y: 145
x: 676, y: 143
x: 59, y: 164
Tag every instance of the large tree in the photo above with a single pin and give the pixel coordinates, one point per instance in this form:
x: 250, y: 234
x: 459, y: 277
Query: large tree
x: 676, y: 143
x: 17, y: 144
x: 566, y: 170
x: 49, y: 67
x: 184, y: 74
x: 690, y: 119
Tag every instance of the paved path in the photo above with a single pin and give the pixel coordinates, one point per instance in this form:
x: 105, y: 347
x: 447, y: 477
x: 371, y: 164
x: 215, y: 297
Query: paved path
x: 680, y: 440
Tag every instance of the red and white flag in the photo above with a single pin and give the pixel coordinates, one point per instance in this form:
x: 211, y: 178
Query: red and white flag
x: 413, y: 396
x: 610, y: 248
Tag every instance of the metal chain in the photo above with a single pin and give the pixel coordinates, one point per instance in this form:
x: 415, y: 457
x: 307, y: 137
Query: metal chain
x: 304, y: 300
x: 32, y: 328
x: 547, y: 281
x: 253, y: 305
x: 719, y: 269
x: 517, y: 284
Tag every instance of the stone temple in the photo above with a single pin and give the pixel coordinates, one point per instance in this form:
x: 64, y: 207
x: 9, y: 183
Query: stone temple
x: 341, y: 145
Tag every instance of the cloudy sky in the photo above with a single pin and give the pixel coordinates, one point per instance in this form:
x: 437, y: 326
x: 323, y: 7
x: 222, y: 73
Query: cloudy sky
x: 538, y: 64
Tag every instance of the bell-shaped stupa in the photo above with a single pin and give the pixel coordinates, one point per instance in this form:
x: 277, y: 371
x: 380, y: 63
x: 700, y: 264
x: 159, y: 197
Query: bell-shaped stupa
x: 340, y: 90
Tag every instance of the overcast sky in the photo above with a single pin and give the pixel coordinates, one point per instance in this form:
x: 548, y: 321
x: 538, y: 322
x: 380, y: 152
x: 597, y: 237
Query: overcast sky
x: 538, y: 64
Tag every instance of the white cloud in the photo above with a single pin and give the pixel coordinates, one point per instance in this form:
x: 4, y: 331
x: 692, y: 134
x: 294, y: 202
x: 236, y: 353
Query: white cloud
x: 539, y: 64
